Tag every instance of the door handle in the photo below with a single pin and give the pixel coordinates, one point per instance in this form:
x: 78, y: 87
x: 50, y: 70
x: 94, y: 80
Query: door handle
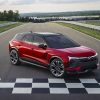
x: 19, y: 45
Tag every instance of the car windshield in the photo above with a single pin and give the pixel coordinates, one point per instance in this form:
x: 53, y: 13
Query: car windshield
x: 59, y: 42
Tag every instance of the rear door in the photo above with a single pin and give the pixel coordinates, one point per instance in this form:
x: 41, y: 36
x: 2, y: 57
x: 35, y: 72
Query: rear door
x: 26, y: 48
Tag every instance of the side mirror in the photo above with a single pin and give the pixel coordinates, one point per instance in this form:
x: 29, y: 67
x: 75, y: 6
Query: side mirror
x: 43, y: 46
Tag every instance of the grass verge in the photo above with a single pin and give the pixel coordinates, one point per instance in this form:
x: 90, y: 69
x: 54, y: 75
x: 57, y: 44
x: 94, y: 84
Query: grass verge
x: 96, y: 22
x: 88, y: 31
x: 2, y: 22
x: 5, y: 28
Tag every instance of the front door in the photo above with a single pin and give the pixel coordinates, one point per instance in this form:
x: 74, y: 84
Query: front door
x: 39, y: 54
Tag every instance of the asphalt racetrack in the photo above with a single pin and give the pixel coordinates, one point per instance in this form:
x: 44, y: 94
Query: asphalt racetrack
x: 11, y: 74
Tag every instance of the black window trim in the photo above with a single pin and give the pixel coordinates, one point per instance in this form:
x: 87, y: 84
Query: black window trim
x: 33, y: 39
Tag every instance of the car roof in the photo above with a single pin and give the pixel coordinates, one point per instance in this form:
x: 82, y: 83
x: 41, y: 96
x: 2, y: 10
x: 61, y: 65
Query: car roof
x: 45, y: 33
x: 40, y: 33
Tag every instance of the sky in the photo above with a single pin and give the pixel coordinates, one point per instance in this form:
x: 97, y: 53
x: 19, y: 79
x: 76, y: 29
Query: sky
x: 26, y: 6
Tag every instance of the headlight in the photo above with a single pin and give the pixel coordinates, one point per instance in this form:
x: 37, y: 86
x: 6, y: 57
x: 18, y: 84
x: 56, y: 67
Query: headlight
x: 73, y: 58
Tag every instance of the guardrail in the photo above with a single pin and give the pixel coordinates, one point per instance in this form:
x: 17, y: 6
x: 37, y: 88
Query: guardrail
x: 82, y: 24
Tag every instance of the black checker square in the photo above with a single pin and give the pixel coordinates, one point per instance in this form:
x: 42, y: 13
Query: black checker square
x: 40, y: 91
x: 91, y: 85
x: 40, y: 80
x: 23, y: 85
x: 98, y: 80
x: 77, y: 90
x: 57, y: 85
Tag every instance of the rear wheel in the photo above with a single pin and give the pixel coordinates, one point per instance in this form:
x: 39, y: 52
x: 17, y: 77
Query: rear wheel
x: 57, y: 68
x: 14, y: 57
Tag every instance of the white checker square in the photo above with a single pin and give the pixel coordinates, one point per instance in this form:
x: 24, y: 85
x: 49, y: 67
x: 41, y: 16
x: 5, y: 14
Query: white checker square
x: 7, y: 85
x: 74, y: 85
x: 22, y: 91
x: 93, y: 90
x: 59, y: 91
x: 56, y: 80
x: 40, y: 85
x: 88, y: 80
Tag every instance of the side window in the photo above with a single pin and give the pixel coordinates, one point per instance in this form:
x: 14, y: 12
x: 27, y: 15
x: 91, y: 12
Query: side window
x: 28, y: 38
x: 38, y: 40
x: 18, y: 37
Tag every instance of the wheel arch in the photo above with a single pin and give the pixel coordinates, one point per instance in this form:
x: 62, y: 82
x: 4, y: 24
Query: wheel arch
x: 13, y: 48
x: 55, y: 57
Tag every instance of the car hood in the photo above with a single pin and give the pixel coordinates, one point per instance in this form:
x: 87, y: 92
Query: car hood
x: 81, y: 51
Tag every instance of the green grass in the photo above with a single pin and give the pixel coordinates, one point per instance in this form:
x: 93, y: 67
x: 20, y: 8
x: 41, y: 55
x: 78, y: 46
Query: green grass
x: 5, y: 28
x: 92, y: 22
x: 88, y: 31
x: 2, y: 22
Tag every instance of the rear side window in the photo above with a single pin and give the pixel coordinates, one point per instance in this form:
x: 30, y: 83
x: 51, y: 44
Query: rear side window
x: 28, y: 38
x: 18, y: 37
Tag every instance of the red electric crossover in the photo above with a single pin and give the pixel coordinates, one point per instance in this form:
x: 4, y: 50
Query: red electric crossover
x: 53, y: 51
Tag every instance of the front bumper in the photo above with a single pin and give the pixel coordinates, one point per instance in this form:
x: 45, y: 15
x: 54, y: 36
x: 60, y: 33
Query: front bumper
x: 82, y: 65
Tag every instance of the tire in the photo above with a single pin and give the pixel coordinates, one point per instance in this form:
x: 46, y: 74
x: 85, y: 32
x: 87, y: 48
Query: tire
x: 57, y: 68
x: 14, y: 57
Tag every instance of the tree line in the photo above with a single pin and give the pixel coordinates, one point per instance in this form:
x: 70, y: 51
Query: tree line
x: 9, y: 15
x: 15, y: 16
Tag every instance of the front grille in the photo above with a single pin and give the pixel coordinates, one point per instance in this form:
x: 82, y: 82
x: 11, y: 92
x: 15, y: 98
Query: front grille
x: 86, y: 61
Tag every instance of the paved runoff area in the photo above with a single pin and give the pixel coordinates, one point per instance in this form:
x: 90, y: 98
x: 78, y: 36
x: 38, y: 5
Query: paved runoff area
x: 51, y: 86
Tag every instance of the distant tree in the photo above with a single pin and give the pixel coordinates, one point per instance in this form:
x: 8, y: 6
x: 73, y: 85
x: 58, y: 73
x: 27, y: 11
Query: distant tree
x: 1, y: 16
x: 5, y: 15
x: 16, y: 15
x: 10, y: 15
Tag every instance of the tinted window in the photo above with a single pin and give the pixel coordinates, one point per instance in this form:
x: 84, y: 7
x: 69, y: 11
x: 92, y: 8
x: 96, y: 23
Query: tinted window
x: 38, y: 40
x: 28, y: 38
x: 18, y: 37
x: 59, y: 41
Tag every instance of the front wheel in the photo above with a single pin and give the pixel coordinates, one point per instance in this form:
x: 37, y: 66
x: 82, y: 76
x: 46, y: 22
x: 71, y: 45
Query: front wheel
x: 57, y: 68
x: 14, y: 57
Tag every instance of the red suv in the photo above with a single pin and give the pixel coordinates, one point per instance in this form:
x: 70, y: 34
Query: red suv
x: 53, y: 51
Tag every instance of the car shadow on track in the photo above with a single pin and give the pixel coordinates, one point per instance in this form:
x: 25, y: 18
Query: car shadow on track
x: 37, y: 71
x: 49, y: 75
